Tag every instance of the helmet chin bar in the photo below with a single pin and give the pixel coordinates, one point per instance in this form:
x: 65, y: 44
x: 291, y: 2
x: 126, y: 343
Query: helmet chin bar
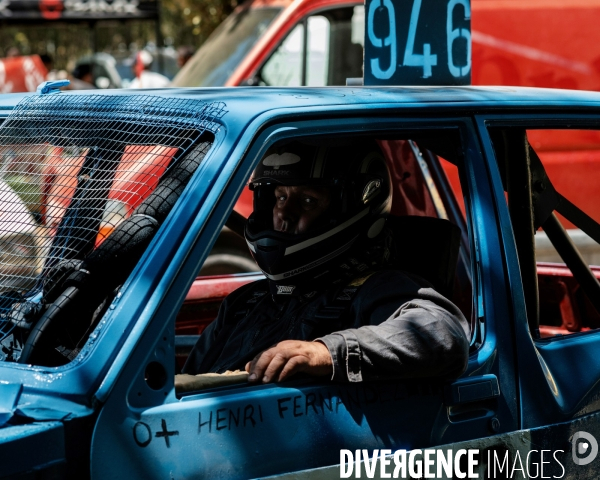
x: 360, y: 187
x: 316, y: 263
x: 332, y: 231
x: 300, y: 259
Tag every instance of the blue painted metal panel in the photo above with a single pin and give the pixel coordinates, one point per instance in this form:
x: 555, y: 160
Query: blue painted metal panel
x: 30, y: 448
x: 255, y: 431
x: 572, y: 367
x: 496, y: 355
x: 9, y: 396
x: 249, y: 102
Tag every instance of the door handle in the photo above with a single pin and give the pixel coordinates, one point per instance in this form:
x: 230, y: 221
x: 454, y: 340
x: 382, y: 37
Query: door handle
x: 471, y: 389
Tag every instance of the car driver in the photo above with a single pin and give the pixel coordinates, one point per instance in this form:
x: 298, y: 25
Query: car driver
x: 330, y: 305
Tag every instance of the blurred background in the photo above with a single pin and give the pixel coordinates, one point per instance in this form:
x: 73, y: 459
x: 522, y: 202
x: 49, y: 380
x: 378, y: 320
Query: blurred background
x: 183, y: 22
x: 206, y: 43
x: 105, y: 35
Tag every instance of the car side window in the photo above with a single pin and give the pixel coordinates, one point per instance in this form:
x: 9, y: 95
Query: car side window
x: 345, y: 44
x: 329, y: 53
x: 317, y: 50
x: 427, y: 201
x: 555, y: 210
x: 284, y: 68
x: 73, y: 205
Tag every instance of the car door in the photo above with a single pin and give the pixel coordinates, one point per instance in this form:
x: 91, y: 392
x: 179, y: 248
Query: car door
x: 148, y: 429
x: 546, y: 163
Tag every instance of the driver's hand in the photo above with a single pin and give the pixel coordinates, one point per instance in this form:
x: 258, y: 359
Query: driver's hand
x: 288, y: 358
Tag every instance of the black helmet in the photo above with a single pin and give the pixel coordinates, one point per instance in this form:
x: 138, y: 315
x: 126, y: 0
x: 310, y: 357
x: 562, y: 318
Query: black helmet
x: 359, y: 180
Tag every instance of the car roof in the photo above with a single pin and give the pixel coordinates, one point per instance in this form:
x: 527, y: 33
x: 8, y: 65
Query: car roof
x: 251, y: 101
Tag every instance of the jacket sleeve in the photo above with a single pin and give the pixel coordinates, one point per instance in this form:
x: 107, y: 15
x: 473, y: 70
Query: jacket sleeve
x: 403, y: 330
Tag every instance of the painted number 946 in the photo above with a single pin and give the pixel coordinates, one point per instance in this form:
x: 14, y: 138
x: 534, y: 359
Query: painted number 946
x: 428, y: 58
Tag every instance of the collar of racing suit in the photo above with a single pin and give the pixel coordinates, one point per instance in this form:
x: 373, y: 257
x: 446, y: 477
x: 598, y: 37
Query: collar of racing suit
x: 356, y: 263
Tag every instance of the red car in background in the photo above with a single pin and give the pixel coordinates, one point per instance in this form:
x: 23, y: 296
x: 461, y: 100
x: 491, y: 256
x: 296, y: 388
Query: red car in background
x: 134, y: 179
x: 538, y: 43
x: 21, y: 74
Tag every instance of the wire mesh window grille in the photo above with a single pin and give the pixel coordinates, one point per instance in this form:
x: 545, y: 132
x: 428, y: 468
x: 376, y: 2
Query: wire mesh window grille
x: 72, y: 169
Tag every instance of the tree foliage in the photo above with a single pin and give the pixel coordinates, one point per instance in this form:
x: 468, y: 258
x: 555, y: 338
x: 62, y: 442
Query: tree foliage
x: 190, y: 22
x: 183, y: 22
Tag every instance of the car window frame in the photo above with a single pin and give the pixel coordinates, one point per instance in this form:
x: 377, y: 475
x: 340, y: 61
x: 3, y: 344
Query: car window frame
x: 379, y: 124
x: 120, y: 327
x: 544, y: 371
x: 313, y: 122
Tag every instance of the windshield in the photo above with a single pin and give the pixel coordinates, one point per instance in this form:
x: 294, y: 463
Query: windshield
x: 78, y: 173
x: 224, y: 50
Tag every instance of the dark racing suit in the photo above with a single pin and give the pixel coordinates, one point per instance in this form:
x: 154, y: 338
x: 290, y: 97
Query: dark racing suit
x: 392, y: 325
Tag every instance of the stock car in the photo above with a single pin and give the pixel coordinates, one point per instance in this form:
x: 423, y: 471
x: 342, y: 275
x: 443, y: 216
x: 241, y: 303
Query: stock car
x: 89, y: 378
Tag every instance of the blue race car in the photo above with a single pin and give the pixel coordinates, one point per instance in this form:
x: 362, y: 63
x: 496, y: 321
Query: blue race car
x: 90, y: 384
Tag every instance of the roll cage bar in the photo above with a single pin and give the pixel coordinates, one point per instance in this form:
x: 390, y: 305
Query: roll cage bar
x: 532, y: 203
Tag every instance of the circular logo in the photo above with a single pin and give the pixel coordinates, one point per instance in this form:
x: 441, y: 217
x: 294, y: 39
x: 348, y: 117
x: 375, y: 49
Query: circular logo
x: 584, y: 448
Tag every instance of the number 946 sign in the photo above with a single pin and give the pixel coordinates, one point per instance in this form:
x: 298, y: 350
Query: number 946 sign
x: 417, y: 42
